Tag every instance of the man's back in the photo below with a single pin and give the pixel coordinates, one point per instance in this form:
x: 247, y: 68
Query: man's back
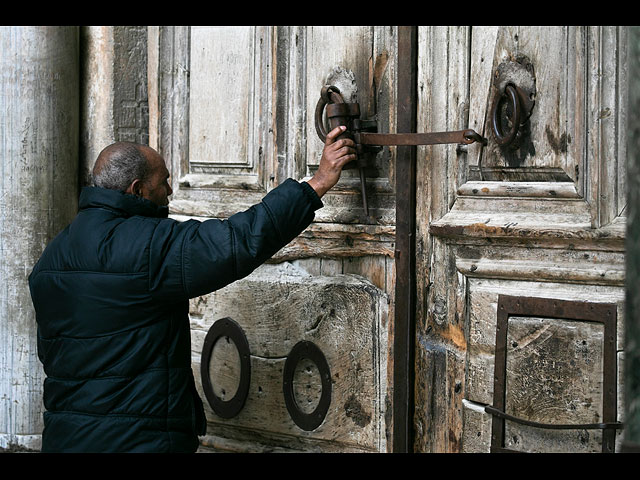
x: 116, y: 356
x: 111, y: 297
x: 111, y: 294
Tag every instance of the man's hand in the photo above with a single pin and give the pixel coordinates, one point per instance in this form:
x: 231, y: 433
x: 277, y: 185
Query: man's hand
x: 335, y: 155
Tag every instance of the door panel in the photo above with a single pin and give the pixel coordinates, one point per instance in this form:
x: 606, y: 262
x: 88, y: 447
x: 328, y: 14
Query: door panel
x: 347, y: 57
x: 227, y: 81
x: 235, y: 118
x: 279, y: 306
x: 575, y: 125
x: 545, y: 220
x: 328, y: 48
x: 213, y: 116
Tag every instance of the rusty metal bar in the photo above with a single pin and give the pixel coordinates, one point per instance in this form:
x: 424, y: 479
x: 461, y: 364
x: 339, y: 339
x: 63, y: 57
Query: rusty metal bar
x: 554, y: 426
x: 406, y: 139
x: 404, y: 321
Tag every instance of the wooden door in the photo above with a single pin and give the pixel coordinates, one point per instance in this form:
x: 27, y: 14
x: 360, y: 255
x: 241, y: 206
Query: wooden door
x: 232, y: 110
x: 517, y: 246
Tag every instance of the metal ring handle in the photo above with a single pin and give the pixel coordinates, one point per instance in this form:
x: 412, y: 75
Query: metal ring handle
x: 328, y: 94
x: 306, y: 349
x: 510, y: 94
x: 226, y: 327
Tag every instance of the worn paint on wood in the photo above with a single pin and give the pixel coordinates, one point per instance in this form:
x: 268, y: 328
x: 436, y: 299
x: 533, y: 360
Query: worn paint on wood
x: 284, y: 70
x: 554, y: 375
x: 224, y: 161
x: 550, y: 226
x: 279, y: 306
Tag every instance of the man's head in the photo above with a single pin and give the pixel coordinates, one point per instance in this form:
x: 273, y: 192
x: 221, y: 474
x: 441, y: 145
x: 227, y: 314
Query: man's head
x: 135, y: 169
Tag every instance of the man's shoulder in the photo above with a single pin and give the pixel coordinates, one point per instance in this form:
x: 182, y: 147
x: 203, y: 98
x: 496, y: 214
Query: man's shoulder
x: 99, y: 242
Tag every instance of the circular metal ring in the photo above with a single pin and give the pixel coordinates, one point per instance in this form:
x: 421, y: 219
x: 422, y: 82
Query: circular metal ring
x: 328, y: 94
x: 510, y: 94
x: 226, y: 327
x: 301, y: 350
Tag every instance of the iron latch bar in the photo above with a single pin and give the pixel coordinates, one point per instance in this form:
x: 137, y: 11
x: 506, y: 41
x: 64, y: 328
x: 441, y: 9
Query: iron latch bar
x: 408, y: 139
x: 367, y: 140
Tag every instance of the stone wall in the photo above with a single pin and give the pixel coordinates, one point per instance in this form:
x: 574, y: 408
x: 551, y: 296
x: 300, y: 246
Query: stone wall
x: 65, y: 93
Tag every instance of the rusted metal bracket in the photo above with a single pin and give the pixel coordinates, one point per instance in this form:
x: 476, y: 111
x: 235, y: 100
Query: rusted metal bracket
x: 604, y: 313
x: 365, y: 136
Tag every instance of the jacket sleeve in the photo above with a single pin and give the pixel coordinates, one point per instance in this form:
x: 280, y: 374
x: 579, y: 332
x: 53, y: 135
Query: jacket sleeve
x: 197, y: 258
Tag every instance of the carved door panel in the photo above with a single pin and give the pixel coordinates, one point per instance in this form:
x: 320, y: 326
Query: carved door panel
x: 538, y: 224
x: 232, y: 109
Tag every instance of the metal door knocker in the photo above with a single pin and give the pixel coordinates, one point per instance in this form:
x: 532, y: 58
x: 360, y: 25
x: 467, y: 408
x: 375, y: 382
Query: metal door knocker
x: 513, y: 103
x: 511, y: 95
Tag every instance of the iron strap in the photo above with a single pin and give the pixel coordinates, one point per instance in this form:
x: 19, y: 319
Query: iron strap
x: 433, y: 138
x: 565, y: 426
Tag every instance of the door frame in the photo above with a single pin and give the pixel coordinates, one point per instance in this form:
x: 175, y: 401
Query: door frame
x: 405, y: 249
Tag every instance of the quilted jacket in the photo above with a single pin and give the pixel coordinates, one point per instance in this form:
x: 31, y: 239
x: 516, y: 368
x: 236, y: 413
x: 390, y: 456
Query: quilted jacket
x: 111, y: 295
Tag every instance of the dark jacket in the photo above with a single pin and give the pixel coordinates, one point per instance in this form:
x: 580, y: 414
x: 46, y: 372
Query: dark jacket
x: 111, y: 299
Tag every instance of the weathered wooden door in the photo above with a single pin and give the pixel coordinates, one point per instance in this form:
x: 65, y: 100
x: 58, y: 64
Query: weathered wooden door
x: 232, y: 110
x: 520, y: 264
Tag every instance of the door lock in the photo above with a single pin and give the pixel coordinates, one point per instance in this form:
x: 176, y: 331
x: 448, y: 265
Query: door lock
x: 364, y: 133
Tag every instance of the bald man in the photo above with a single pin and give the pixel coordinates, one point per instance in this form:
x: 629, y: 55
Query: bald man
x: 111, y: 294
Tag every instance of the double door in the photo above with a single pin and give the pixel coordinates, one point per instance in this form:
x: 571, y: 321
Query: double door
x: 314, y: 355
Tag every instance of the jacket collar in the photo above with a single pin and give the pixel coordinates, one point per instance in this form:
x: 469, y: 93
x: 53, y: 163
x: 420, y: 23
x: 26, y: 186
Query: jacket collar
x: 125, y: 204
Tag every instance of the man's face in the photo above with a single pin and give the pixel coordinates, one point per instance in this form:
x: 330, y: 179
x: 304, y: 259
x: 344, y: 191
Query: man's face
x: 156, y: 187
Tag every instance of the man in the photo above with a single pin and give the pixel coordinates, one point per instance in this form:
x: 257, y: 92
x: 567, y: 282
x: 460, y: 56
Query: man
x: 111, y: 299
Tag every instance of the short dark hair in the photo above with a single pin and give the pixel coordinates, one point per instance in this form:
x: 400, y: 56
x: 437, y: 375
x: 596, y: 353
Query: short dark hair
x: 119, y: 164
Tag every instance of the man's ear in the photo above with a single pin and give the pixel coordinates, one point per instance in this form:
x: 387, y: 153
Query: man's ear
x: 135, y: 188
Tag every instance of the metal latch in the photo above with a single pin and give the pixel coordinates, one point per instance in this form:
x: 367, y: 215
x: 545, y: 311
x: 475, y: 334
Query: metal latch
x: 364, y: 133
